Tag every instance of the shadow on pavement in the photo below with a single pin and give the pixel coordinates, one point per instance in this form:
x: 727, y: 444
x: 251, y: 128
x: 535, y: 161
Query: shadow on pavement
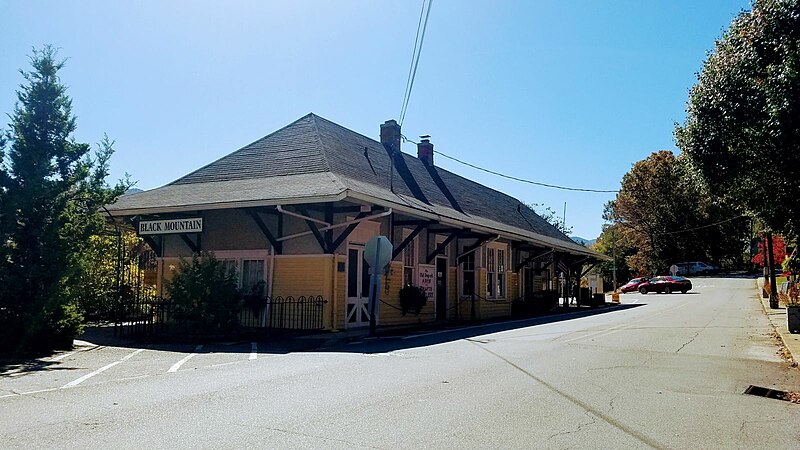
x: 99, y: 336
x: 421, y: 338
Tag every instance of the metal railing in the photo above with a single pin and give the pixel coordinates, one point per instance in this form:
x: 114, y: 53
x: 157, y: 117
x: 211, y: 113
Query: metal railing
x: 154, y: 315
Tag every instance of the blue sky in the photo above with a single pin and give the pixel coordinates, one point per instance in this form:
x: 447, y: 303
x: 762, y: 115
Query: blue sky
x: 563, y: 92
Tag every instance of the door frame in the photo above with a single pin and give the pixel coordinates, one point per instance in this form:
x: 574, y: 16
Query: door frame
x: 446, y: 276
x: 362, y: 302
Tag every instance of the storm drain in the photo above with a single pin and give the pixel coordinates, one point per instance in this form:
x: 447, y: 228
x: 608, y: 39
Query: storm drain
x: 772, y: 393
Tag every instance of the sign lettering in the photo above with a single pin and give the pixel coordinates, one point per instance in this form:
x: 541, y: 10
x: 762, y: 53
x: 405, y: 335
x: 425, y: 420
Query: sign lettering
x: 171, y: 226
x: 426, y: 279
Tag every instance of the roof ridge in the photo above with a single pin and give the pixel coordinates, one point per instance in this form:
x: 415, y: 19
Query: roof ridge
x: 311, y: 114
x: 314, y: 118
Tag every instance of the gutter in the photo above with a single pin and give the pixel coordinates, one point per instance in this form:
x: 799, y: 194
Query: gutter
x: 223, y: 205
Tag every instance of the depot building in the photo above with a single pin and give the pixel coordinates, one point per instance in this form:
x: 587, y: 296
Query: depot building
x: 293, y: 210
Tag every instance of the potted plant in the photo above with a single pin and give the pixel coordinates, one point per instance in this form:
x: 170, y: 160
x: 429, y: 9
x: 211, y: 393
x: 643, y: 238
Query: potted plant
x: 412, y: 298
x: 792, y: 265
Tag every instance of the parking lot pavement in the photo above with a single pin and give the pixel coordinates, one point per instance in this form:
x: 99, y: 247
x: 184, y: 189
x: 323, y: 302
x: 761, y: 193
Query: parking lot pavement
x: 93, y: 364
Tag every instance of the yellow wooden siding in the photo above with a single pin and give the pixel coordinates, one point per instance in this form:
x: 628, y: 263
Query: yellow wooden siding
x: 305, y: 276
x: 513, y: 286
x: 167, y: 268
x: 339, y: 295
x: 389, y: 313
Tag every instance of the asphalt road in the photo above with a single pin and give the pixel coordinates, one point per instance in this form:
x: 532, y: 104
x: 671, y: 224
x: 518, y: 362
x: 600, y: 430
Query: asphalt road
x: 668, y: 372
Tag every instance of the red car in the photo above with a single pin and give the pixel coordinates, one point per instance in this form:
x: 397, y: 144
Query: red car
x: 633, y: 285
x: 666, y: 285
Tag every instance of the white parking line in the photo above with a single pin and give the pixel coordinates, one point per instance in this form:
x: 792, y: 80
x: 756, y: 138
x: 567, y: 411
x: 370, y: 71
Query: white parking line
x: 178, y: 364
x: 101, y: 370
x: 253, y: 350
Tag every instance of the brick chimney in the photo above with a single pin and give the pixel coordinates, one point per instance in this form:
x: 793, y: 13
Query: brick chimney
x: 390, y: 135
x: 425, y: 150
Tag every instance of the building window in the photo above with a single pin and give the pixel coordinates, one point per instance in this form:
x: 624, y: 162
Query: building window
x: 468, y: 274
x: 249, y: 274
x: 496, y: 271
x: 491, y: 273
x: 410, y: 260
x: 252, y: 277
x: 501, y: 273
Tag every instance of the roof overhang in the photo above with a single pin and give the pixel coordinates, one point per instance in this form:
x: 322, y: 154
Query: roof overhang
x: 535, y: 239
x: 126, y: 212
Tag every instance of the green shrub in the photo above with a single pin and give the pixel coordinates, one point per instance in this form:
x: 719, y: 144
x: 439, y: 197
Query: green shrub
x: 412, y: 298
x: 53, y: 327
x: 206, y: 295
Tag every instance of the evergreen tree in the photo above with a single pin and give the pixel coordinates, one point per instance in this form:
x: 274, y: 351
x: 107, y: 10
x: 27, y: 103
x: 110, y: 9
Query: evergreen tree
x: 51, y: 190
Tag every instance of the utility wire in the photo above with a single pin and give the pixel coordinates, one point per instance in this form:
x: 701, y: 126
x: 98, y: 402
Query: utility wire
x: 704, y: 226
x: 537, y: 183
x: 415, y: 59
x: 411, y: 67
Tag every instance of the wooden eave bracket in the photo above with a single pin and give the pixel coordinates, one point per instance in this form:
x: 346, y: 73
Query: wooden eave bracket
x: 408, y: 239
x: 531, y: 258
x: 277, y: 245
x: 440, y: 248
x: 193, y: 246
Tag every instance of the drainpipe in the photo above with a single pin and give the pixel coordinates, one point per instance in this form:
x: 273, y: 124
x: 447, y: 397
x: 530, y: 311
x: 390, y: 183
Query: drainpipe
x: 338, y: 225
x: 300, y: 216
x: 269, y: 284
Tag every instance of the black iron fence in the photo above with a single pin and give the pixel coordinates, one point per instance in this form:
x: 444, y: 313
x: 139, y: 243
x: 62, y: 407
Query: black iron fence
x: 154, y: 315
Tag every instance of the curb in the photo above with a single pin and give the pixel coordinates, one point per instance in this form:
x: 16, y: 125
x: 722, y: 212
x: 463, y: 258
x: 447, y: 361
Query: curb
x: 777, y: 319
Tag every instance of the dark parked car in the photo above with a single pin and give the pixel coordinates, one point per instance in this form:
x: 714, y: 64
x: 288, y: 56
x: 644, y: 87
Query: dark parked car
x: 633, y: 285
x: 666, y: 285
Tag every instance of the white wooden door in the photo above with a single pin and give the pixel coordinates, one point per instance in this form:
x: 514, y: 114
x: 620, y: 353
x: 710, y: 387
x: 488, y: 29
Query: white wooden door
x: 357, y: 306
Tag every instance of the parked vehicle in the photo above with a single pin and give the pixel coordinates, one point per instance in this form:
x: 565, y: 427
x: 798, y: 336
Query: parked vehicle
x: 667, y: 285
x: 696, y: 268
x: 633, y: 285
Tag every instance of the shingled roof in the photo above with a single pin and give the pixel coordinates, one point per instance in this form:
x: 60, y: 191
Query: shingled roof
x: 314, y: 159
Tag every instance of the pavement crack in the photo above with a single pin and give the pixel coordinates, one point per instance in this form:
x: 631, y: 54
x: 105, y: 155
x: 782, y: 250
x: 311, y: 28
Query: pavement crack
x: 578, y: 429
x: 308, y: 435
x: 697, y: 333
x: 580, y: 403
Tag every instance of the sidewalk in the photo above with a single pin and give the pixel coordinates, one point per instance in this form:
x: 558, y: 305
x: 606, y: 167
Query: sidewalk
x: 778, y: 319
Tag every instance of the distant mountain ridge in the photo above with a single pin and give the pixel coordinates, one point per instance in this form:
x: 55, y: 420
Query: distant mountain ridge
x: 583, y: 241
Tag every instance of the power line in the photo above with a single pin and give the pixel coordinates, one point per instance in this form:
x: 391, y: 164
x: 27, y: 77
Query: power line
x: 704, y: 226
x: 522, y: 180
x: 412, y: 71
x: 411, y: 67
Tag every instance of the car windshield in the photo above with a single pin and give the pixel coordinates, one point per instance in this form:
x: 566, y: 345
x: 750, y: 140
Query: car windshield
x: 678, y: 279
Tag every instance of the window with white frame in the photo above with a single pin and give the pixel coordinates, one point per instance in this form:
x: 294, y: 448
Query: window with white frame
x: 501, y: 273
x: 496, y: 271
x: 249, y: 269
x: 468, y: 274
x: 410, y: 260
x: 491, y: 273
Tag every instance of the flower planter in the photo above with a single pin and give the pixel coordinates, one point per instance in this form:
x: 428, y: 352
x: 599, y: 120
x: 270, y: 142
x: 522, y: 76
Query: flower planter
x: 793, y: 318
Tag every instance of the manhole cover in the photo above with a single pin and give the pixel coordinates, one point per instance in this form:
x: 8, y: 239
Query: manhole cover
x: 776, y: 394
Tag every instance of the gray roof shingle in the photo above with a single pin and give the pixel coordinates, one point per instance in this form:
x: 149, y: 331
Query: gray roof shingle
x: 316, y: 158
